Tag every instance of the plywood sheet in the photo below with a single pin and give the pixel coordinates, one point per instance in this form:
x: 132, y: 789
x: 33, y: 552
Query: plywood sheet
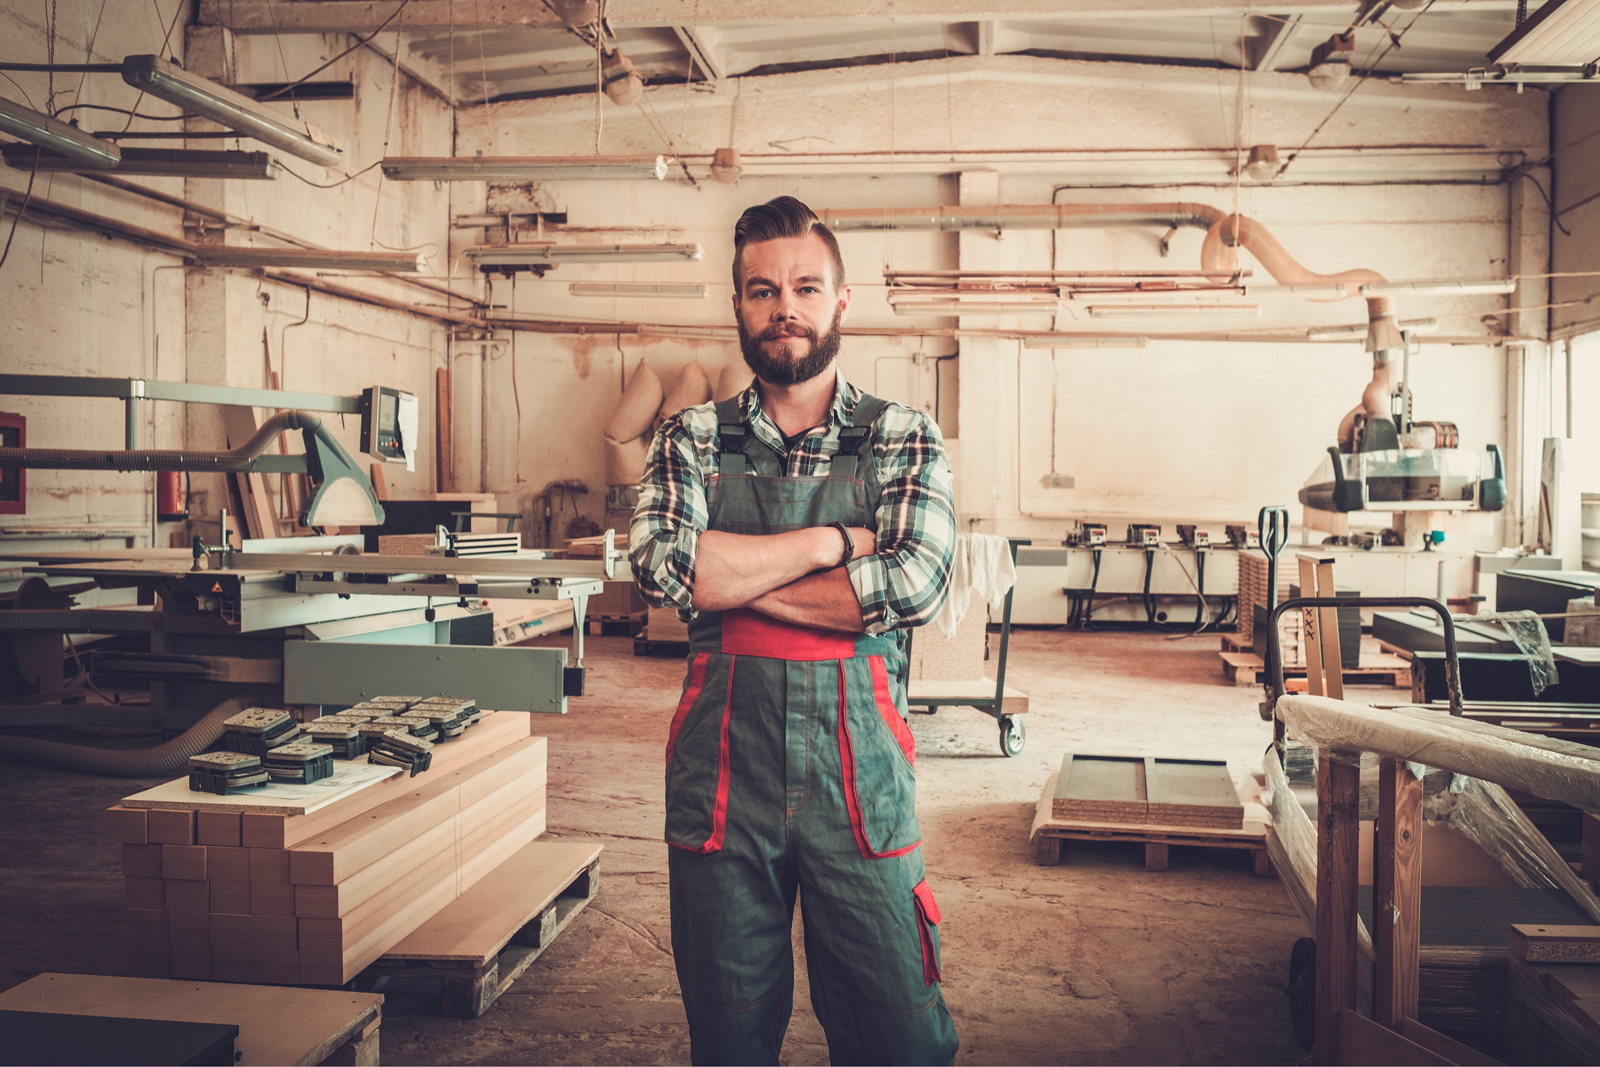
x: 276, y: 1025
x: 481, y: 921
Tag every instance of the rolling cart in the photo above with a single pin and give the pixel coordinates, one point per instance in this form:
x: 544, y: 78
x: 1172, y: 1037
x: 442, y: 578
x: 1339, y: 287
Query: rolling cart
x: 1005, y: 707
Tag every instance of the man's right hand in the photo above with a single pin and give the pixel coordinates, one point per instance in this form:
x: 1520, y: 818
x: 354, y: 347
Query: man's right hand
x: 732, y: 569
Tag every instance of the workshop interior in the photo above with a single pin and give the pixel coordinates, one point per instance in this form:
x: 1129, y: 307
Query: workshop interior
x: 1260, y: 722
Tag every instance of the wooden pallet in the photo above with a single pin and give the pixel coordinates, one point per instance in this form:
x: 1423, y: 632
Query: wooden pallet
x: 627, y: 625
x: 1378, y: 668
x: 472, y: 950
x: 1049, y: 833
x: 643, y: 646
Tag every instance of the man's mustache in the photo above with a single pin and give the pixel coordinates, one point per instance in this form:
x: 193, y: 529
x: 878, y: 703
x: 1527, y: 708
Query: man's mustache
x: 783, y: 331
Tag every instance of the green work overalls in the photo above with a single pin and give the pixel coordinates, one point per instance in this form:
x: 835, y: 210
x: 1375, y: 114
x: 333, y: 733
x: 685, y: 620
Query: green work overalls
x: 789, y: 766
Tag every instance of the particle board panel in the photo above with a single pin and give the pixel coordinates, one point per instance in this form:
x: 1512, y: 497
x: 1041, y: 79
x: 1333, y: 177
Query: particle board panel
x: 126, y: 826
x: 479, y: 923
x: 216, y: 828
x: 228, y: 864
x: 230, y: 897
x: 1147, y: 790
x: 170, y: 827
x: 147, y: 926
x: 146, y: 894
x: 142, y: 861
x: 334, y: 901
x: 483, y: 852
x: 276, y: 1025
x: 189, y: 928
x: 497, y: 730
x: 368, y: 838
x: 183, y: 894
x: 271, y: 898
x: 1103, y: 788
x: 275, y: 933
x: 333, y: 951
x: 933, y: 693
x: 233, y: 965
x: 281, y: 799
x: 269, y: 865
x: 233, y: 931
x: 1193, y: 793
x: 277, y: 966
x: 1555, y: 944
x: 183, y: 861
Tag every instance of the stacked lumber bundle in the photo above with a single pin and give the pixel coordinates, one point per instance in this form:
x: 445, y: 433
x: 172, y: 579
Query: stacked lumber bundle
x: 219, y: 889
x: 1253, y: 602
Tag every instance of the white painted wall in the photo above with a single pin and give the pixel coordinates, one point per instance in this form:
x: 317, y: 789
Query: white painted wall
x: 1182, y: 430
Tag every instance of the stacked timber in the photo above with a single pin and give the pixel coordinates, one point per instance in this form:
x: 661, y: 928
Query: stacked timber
x: 936, y: 658
x: 247, y: 895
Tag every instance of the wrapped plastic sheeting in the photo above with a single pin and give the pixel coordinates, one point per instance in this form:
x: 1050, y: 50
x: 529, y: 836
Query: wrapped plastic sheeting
x: 1543, y: 766
x: 1532, y: 640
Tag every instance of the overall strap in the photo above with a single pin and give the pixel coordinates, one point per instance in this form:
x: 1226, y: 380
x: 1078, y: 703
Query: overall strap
x: 855, y: 440
x: 731, y: 433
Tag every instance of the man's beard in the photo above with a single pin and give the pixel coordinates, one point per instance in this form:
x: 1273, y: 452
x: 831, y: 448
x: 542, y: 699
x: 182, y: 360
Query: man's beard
x: 782, y: 368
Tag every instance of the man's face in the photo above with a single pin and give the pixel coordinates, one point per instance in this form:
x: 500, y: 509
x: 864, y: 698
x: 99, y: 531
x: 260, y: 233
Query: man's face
x: 788, y: 309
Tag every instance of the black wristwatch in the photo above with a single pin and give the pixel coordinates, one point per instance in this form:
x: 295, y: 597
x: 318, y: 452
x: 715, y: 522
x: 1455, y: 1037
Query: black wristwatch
x: 849, y: 542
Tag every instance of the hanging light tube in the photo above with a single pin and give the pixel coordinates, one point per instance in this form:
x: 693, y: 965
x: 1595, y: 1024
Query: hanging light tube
x: 976, y: 307
x: 523, y: 168
x: 699, y: 333
x: 1356, y: 332
x: 53, y: 135
x: 170, y: 82
x: 158, y: 162
x: 641, y: 289
x: 1454, y: 288
x: 538, y: 254
x: 1129, y: 311
x: 1067, y: 340
x: 309, y: 259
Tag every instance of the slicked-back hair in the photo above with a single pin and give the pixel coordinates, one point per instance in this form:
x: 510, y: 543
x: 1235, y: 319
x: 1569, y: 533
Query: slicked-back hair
x: 782, y: 217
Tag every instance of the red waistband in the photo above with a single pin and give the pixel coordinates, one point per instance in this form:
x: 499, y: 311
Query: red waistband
x: 751, y: 633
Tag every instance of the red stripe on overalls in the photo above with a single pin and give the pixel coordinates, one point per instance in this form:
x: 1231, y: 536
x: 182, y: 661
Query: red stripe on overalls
x: 750, y: 633
x: 847, y: 762
x: 719, y: 814
x: 887, y: 709
x: 927, y: 915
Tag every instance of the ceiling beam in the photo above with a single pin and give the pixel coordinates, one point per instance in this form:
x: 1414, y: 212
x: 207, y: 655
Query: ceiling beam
x: 1262, y: 52
x: 702, y: 52
x: 329, y: 16
x: 986, y: 37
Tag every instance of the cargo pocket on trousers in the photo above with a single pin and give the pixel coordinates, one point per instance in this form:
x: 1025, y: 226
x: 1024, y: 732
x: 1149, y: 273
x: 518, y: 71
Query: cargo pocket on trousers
x: 928, y: 929
x: 697, y: 758
x: 880, y: 788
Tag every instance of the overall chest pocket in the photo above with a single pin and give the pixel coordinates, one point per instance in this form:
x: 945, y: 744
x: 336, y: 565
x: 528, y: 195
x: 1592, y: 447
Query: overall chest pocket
x: 876, y: 756
x: 698, y: 767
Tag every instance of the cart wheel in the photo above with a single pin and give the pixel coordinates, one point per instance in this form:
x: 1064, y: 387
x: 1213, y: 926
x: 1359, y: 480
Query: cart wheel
x: 1303, y: 991
x: 1013, y: 735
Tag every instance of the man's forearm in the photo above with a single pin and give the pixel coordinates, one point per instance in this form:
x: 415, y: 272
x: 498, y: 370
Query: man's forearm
x: 826, y: 600
x: 731, y: 570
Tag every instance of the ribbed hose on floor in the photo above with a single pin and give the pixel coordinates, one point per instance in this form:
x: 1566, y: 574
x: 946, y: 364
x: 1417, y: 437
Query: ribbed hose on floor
x: 155, y: 459
x: 123, y: 763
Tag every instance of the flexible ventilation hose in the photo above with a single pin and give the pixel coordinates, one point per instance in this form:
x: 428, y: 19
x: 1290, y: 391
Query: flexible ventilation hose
x: 152, y: 459
x: 123, y: 763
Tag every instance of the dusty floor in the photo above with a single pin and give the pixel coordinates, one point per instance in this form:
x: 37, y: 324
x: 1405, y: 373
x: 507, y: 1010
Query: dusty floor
x: 1094, y: 961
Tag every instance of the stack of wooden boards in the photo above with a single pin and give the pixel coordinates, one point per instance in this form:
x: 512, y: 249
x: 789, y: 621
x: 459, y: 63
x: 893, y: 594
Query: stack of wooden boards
x: 1154, y: 800
x: 234, y: 890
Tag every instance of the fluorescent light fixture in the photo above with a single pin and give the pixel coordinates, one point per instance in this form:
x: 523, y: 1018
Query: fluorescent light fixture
x: 309, y: 258
x: 643, y: 289
x: 164, y: 162
x: 538, y: 254
x: 1562, y: 31
x: 1067, y: 340
x: 1464, y: 288
x: 523, y: 168
x: 1303, y: 292
x: 1129, y: 311
x: 222, y: 105
x: 1358, y: 331
x: 702, y: 333
x: 53, y: 135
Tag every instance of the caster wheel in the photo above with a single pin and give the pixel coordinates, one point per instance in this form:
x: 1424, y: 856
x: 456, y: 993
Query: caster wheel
x: 1013, y: 735
x: 1302, y: 991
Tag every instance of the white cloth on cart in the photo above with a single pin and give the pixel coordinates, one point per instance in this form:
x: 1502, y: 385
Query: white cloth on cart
x: 982, y: 565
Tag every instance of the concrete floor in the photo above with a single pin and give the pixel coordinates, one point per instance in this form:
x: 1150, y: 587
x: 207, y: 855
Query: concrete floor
x: 1094, y: 961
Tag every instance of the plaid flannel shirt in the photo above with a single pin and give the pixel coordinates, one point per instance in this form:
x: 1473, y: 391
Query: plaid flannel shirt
x: 901, y: 585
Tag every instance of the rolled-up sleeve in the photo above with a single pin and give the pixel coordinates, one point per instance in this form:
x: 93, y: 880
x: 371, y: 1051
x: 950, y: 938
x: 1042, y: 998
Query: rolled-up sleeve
x: 905, y: 581
x: 665, y: 536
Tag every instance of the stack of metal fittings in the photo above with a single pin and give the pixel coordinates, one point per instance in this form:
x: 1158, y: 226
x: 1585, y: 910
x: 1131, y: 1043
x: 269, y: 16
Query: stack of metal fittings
x: 303, y: 761
x: 218, y: 772
x: 259, y: 730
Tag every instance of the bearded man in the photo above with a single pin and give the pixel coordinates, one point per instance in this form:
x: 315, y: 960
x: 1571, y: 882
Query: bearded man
x: 799, y: 527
